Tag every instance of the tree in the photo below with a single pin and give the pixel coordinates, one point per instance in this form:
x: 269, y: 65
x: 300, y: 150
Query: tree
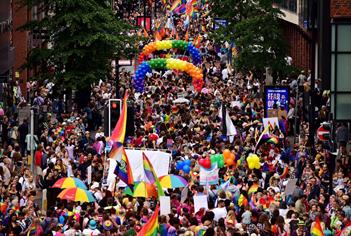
x: 82, y: 37
x: 254, y: 27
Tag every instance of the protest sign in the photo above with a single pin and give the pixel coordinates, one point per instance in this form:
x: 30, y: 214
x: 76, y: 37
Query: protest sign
x: 165, y: 205
x: 200, y: 202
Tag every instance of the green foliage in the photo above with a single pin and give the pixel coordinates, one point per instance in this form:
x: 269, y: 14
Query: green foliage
x: 254, y: 27
x: 85, y: 35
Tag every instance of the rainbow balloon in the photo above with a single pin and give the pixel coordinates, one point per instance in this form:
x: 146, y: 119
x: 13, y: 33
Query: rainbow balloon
x: 171, y: 44
x: 169, y: 64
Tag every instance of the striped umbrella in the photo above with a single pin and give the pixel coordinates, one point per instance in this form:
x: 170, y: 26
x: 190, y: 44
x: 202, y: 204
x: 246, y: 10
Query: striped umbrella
x: 69, y: 182
x: 145, y: 190
x: 173, y: 181
x: 76, y: 195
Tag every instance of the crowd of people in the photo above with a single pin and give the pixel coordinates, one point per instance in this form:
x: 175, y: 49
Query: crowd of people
x: 68, y: 145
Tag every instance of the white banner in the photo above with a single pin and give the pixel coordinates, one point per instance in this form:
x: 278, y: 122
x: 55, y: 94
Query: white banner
x: 159, y: 160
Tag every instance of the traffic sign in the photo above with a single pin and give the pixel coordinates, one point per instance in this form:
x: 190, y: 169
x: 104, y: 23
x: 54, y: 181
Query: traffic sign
x: 323, y: 133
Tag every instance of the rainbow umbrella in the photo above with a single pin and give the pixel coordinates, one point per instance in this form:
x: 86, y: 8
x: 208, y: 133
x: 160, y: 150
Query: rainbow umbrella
x: 145, y: 190
x: 128, y: 191
x: 173, y: 181
x: 76, y: 195
x: 69, y: 182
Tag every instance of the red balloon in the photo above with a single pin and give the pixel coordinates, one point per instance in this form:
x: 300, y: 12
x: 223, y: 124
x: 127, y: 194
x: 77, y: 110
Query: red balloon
x: 207, y: 163
x: 201, y: 161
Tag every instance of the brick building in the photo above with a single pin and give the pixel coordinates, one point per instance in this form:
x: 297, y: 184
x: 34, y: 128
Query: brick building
x: 22, y: 44
x: 7, y: 51
x: 14, y: 47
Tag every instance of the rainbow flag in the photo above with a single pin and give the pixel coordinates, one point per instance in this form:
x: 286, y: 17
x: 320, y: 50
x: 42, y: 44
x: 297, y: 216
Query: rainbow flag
x: 242, y: 201
x: 119, y: 132
x: 285, y: 172
x: 146, y: 34
x: 197, y: 41
x: 163, y: 229
x: 252, y: 203
x: 253, y: 189
x: 180, y: 10
x: 175, y: 5
x: 158, y: 36
x: 151, y: 176
x: 116, y: 152
x: 123, y: 169
x: 317, y: 229
x: 151, y: 227
x: 190, y: 8
x: 201, y: 232
x: 273, y: 140
x: 261, y: 136
x: 271, y: 129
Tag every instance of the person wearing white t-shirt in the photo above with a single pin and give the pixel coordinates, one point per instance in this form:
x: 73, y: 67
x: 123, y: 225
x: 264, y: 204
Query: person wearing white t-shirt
x: 92, y: 229
x: 220, y: 211
x: 225, y: 74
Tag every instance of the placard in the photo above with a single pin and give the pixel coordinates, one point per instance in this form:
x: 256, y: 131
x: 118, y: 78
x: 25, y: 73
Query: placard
x: 278, y: 95
x: 271, y: 122
x: 200, y: 202
x: 165, y: 205
x: 89, y: 174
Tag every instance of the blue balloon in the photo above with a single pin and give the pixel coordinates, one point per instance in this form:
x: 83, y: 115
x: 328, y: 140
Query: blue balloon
x: 187, y: 162
x: 186, y: 169
x: 62, y: 220
x: 179, y: 165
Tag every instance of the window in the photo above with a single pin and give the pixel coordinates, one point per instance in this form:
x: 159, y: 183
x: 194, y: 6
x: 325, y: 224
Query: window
x: 341, y: 71
x: 290, y: 5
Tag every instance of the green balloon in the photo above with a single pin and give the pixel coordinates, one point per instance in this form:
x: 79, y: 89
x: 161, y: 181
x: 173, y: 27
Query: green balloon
x: 220, y: 163
x: 213, y: 158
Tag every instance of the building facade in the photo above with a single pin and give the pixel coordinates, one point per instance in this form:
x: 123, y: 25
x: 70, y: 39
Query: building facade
x: 340, y: 13
x: 7, y: 51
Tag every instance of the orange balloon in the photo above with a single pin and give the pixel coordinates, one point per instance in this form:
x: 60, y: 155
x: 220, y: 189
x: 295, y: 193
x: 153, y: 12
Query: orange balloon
x: 230, y: 162
x: 226, y: 153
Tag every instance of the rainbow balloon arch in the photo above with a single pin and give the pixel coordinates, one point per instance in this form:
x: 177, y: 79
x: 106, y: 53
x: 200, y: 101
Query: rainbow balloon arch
x: 169, y: 64
x: 171, y: 44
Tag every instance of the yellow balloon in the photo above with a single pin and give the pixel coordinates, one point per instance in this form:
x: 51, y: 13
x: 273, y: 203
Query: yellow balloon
x: 258, y: 165
x: 158, y: 45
